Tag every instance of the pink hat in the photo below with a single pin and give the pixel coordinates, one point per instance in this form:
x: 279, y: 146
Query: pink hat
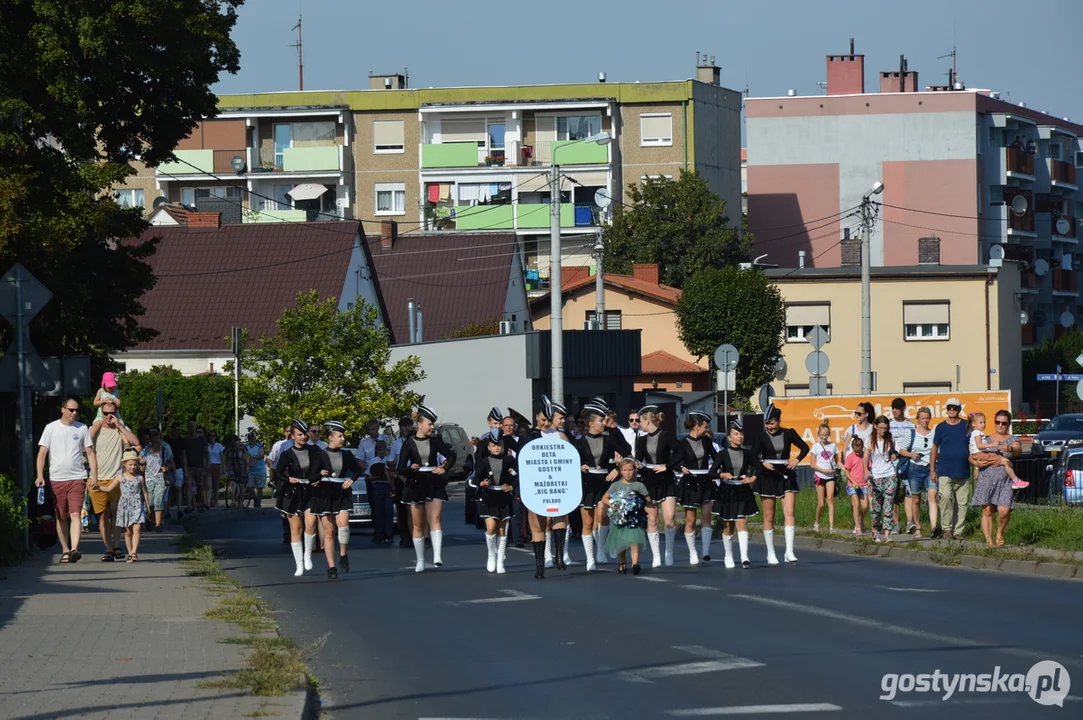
x: 109, y: 380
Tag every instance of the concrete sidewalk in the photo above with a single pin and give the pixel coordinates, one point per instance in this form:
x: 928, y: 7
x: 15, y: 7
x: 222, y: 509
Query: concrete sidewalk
x: 113, y: 640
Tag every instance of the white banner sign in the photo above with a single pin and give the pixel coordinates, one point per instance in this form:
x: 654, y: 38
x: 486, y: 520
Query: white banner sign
x: 550, y: 483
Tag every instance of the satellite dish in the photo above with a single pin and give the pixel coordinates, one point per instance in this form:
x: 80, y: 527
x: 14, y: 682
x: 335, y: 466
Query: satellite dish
x: 996, y: 252
x: 160, y: 200
x: 1019, y: 204
x: 1063, y: 226
x: 238, y: 164
x: 1041, y: 267
x: 1039, y: 318
x: 1023, y: 318
x: 602, y: 198
x: 1067, y: 319
x: 780, y: 369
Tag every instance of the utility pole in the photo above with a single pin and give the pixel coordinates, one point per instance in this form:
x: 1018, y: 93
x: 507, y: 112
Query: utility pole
x: 599, y: 284
x: 867, y: 214
x: 300, y: 56
x: 556, y: 297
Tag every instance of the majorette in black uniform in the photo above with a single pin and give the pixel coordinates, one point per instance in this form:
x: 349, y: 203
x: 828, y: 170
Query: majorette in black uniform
x: 328, y: 496
x: 297, y: 469
x: 658, y: 448
x: 735, y: 502
x: 481, y: 451
x: 696, y: 489
x: 421, y: 485
x: 779, y: 480
x: 501, y: 471
x: 543, y: 549
x: 598, y: 453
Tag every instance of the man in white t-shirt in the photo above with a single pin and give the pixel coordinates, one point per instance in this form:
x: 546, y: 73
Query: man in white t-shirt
x: 902, y: 430
x: 64, y: 442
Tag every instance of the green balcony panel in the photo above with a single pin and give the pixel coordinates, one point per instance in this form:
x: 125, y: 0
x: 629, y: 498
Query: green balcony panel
x: 310, y: 159
x: 202, y: 160
x: 273, y: 216
x: 449, y: 155
x: 537, y: 215
x: 576, y: 152
x: 484, y: 217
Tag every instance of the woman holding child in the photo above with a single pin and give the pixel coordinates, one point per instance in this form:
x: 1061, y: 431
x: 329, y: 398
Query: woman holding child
x: 993, y: 491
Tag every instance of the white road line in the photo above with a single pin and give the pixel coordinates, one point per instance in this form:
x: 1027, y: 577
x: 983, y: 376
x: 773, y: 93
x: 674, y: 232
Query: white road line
x: 755, y: 710
x: 913, y: 590
x: 649, y: 578
x: 697, y: 587
x: 956, y: 700
x: 509, y: 596
x: 522, y: 550
x: 851, y: 619
x: 716, y: 662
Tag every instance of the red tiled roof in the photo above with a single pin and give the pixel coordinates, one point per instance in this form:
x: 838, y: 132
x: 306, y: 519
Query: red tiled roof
x: 664, y: 293
x: 457, y: 278
x: 211, y: 279
x: 660, y: 362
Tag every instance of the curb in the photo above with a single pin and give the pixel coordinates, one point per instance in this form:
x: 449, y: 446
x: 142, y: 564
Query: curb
x: 1040, y: 568
x: 310, y: 708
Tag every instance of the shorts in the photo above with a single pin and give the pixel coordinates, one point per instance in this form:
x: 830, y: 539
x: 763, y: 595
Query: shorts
x: 178, y: 478
x: 100, y: 500
x: 860, y: 492
x: 919, y: 480
x: 823, y: 481
x: 69, y: 496
x: 156, y: 492
x: 196, y: 477
x: 257, y: 481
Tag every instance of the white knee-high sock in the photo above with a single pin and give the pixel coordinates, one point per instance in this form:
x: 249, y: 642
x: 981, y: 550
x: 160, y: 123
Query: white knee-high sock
x: 490, y: 545
x: 567, y: 544
x: 501, y: 549
x: 769, y: 541
x: 309, y: 542
x: 548, y: 549
x: 671, y: 532
x: 656, y: 554
x: 298, y: 558
x: 588, y: 549
x: 419, y: 553
x: 690, y: 539
x: 437, y: 547
x: 727, y: 546
x: 789, y: 532
x: 742, y: 542
x: 603, y: 533
x: 705, y: 535
x: 343, y: 538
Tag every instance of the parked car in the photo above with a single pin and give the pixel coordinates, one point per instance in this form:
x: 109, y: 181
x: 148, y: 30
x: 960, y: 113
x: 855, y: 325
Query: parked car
x: 1066, y: 479
x: 1062, y: 432
x: 459, y: 441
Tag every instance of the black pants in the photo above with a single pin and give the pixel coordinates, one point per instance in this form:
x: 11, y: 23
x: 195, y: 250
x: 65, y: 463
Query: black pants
x: 383, y: 510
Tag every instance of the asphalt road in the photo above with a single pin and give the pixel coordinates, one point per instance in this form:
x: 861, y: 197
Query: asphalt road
x: 815, y: 639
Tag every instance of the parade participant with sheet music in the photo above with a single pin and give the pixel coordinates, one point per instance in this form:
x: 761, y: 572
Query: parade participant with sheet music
x: 426, y: 483
x: 332, y: 497
x: 297, y: 467
x: 695, y: 489
x: 778, y: 478
x: 598, y: 452
x: 497, y: 481
x: 734, y: 473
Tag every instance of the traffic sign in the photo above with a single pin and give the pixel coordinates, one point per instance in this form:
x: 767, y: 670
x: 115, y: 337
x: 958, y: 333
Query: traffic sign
x: 727, y: 381
x: 817, y: 337
x: 766, y: 393
x: 817, y: 385
x: 35, y: 295
x: 38, y: 378
x: 817, y: 362
x: 726, y: 357
x: 1063, y: 377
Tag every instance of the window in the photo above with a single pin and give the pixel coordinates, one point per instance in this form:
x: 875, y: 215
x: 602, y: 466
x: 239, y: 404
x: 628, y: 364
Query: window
x: 496, y: 140
x: 655, y: 129
x: 926, y: 387
x: 926, y: 320
x: 130, y: 197
x: 283, y: 135
x: 388, y: 136
x: 189, y: 195
x: 1079, y: 158
x: 390, y: 198
x: 578, y: 127
x: 801, y: 318
x: 612, y: 318
x: 1054, y: 150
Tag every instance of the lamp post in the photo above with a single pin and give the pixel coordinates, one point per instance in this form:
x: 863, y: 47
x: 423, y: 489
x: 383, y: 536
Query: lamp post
x: 866, y: 288
x: 556, y: 300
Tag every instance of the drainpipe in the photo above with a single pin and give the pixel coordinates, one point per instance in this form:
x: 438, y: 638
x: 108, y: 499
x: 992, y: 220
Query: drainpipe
x: 684, y: 115
x: 988, y: 352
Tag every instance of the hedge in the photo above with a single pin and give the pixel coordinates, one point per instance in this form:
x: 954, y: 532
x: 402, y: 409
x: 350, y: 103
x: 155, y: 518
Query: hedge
x: 207, y: 399
x: 12, y: 520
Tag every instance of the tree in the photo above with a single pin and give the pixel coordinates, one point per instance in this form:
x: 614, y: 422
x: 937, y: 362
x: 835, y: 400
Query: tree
x: 326, y: 365
x: 679, y: 224
x: 735, y: 306
x: 475, y: 328
x: 1045, y: 359
x: 207, y: 399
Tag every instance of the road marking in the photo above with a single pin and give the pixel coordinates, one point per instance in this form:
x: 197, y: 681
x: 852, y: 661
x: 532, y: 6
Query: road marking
x: 754, y: 710
x: 913, y: 590
x: 955, y: 700
x: 716, y: 662
x: 852, y: 619
x: 522, y: 550
x: 649, y: 578
x: 509, y: 596
x: 697, y: 587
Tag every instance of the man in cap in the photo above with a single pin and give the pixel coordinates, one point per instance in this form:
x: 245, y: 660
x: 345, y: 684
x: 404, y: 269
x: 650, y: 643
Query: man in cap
x: 949, y: 465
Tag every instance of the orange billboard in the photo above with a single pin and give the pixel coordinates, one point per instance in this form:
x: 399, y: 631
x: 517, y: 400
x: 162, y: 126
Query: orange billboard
x: 806, y: 414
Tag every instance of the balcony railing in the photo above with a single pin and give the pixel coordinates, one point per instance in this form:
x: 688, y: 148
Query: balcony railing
x: 1070, y: 231
x: 506, y: 217
x: 1024, y: 222
x: 189, y: 162
x: 1028, y: 280
x: 1061, y: 172
x: 1017, y: 160
x: 577, y: 153
x: 1064, y: 280
x: 223, y: 160
x: 319, y: 158
x: 1028, y: 334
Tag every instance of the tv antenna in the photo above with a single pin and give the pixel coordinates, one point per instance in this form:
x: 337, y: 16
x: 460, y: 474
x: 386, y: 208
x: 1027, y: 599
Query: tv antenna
x: 300, y: 54
x: 953, y: 73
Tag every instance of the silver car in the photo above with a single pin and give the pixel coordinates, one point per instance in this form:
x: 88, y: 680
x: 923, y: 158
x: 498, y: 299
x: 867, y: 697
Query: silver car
x: 1066, y: 477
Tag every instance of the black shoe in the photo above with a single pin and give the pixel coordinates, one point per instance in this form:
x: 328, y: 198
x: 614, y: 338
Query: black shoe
x: 344, y: 563
x: 332, y: 574
x: 558, y: 549
x: 705, y: 559
x: 539, y: 560
x: 745, y: 564
x: 520, y: 544
x: 622, y: 569
x: 937, y: 533
x: 636, y: 569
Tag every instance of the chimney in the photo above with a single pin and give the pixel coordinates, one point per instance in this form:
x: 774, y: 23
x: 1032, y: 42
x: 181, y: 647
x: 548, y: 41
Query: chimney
x: 846, y: 73
x: 574, y: 274
x: 851, y: 249
x: 389, y: 233
x: 929, y: 251
x: 204, y: 220
x: 394, y: 81
x: 902, y: 81
x: 645, y: 272
x: 707, y: 71
x: 801, y: 258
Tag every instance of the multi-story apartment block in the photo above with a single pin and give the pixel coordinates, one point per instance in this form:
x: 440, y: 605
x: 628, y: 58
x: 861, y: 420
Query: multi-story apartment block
x: 969, y: 178
x: 455, y: 159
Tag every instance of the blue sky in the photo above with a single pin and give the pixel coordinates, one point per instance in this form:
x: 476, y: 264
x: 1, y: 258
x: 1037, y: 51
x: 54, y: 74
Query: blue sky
x: 1031, y: 50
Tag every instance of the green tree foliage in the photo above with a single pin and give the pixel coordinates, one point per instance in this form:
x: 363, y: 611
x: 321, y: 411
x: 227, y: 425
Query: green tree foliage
x: 735, y: 306
x: 326, y: 365
x: 207, y: 399
x: 12, y: 521
x: 679, y: 224
x: 87, y: 87
x: 1044, y: 359
x: 475, y: 328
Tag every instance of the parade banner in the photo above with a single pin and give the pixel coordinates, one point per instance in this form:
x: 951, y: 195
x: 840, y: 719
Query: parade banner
x: 550, y: 483
x: 806, y: 414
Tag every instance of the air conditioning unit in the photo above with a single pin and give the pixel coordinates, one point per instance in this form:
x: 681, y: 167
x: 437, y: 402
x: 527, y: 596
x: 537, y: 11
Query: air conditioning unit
x: 506, y: 327
x: 589, y: 325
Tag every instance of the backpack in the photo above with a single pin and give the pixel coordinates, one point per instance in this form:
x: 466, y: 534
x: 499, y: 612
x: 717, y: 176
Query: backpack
x: 902, y: 467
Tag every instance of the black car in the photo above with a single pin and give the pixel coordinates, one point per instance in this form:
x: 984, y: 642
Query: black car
x: 1062, y: 432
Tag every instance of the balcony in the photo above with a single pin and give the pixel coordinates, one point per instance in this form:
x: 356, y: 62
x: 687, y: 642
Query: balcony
x: 450, y: 155
x: 1018, y: 163
x: 1067, y: 224
x: 578, y: 153
x: 1062, y: 174
x: 274, y: 216
x: 189, y: 162
x: 1028, y: 280
x: 318, y: 159
x: 1021, y: 224
x: 522, y: 216
x: 1028, y: 334
x: 1064, y: 282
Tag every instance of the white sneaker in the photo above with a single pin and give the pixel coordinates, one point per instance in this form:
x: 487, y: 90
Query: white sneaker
x: 790, y: 557
x: 815, y: 527
x: 729, y: 563
x: 490, y: 563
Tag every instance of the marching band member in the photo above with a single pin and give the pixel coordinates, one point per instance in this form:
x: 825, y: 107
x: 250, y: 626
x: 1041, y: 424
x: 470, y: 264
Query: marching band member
x: 697, y: 490
x: 778, y: 479
x: 426, y: 486
x: 298, y: 466
x: 734, y: 473
x: 332, y: 497
x: 658, y: 454
x: 560, y: 416
x: 497, y: 480
x: 541, y: 539
x: 597, y: 453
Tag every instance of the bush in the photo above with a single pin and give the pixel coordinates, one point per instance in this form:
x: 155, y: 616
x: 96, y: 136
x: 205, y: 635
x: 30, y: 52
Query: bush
x: 207, y: 399
x: 12, y: 521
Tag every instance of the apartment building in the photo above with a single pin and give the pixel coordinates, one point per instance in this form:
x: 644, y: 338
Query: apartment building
x: 969, y: 177
x: 469, y: 159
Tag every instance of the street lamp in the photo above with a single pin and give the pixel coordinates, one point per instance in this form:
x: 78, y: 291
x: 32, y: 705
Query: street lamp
x: 556, y: 307
x: 866, y: 288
